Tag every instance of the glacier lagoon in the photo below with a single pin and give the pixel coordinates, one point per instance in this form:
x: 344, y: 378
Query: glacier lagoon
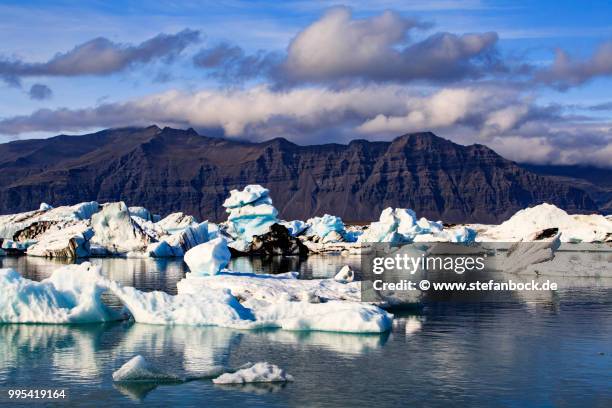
x: 483, y: 354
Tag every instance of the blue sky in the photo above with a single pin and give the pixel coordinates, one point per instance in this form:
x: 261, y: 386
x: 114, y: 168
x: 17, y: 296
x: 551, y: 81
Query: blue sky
x: 530, y: 79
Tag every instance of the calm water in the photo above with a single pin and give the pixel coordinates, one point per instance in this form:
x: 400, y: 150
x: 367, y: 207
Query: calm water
x: 557, y: 352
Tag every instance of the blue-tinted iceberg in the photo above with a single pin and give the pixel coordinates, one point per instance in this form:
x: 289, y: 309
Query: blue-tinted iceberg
x: 328, y: 228
x: 250, y: 213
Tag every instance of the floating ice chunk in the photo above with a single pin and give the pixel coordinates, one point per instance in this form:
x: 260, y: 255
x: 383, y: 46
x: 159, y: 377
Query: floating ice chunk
x: 115, y: 230
x: 208, y: 258
x: 72, y: 294
x: 250, y: 194
x: 345, y: 274
x: 573, y: 228
x: 137, y: 369
x: 325, y: 225
x: 333, y: 316
x: 71, y: 241
x: 293, y: 304
x: 45, y: 207
x: 255, y: 373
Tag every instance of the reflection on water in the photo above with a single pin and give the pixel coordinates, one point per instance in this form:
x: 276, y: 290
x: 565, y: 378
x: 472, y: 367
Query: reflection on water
x: 163, y: 274
x: 537, y: 351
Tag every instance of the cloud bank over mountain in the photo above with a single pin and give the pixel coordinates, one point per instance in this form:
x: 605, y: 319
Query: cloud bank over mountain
x: 341, y: 76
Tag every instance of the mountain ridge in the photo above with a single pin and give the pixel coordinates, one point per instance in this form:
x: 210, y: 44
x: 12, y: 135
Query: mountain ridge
x: 170, y: 170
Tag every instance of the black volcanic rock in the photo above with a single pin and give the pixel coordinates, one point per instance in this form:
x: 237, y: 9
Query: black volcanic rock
x: 277, y: 241
x: 169, y: 170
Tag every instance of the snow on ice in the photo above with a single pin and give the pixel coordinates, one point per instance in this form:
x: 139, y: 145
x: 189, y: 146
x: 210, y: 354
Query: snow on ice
x: 255, y: 373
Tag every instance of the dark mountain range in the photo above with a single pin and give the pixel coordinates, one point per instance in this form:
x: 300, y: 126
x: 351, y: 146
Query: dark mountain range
x: 597, y: 182
x: 170, y: 170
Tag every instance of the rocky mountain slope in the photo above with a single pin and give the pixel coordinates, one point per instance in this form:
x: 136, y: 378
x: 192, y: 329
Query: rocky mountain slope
x: 168, y: 170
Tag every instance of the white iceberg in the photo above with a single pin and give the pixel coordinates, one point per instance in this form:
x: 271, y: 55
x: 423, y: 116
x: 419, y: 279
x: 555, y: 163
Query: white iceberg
x: 45, y: 207
x: 400, y: 225
x: 255, y: 373
x: 72, y: 294
x: 208, y: 258
x: 116, y: 232
x: 573, y: 228
x: 137, y: 369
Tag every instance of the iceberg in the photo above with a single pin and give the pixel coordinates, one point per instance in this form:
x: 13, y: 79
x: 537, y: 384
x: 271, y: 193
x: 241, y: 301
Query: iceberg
x: 116, y: 232
x: 71, y: 241
x: 255, y: 373
x: 208, y: 258
x: 328, y: 228
x: 13, y: 223
x: 400, y: 225
x: 573, y: 228
x: 72, y: 294
x: 250, y: 213
x: 45, y: 207
x: 137, y: 369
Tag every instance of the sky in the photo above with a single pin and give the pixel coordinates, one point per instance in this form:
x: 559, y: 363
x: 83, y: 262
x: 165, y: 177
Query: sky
x: 532, y: 80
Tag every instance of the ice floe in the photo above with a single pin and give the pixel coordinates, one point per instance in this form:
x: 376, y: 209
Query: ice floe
x: 255, y: 373
x: 137, y: 369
